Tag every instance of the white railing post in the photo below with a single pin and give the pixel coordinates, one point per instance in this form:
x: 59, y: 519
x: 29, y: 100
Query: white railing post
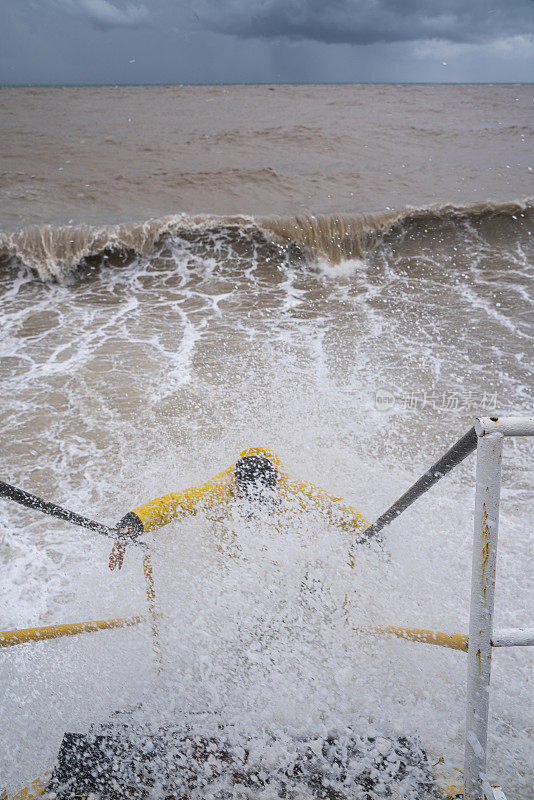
x: 488, y: 485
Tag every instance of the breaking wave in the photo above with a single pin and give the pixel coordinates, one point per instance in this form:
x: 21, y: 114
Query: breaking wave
x: 58, y: 253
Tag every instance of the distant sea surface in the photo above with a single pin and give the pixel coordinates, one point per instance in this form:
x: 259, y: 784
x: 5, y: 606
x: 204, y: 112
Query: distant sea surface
x: 342, y: 274
x: 108, y: 156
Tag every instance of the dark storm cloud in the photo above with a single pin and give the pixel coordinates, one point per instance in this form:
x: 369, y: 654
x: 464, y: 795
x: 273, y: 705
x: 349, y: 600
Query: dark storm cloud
x: 265, y: 41
x: 105, y: 15
x: 370, y: 21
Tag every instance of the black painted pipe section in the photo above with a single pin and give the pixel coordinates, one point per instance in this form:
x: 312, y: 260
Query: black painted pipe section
x: 32, y: 501
x: 451, y: 459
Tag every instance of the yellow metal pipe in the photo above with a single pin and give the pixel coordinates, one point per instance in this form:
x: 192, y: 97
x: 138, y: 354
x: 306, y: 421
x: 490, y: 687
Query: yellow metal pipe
x: 454, y: 641
x: 10, y: 638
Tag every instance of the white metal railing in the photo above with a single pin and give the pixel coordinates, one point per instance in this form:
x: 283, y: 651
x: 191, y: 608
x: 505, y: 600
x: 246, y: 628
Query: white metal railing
x: 490, y: 433
x: 486, y: 436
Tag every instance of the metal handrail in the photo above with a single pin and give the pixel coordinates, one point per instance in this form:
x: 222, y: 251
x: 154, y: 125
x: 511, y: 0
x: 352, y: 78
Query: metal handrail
x: 487, y: 437
x: 446, y: 463
x: 22, y: 635
x: 490, y: 437
x: 23, y: 498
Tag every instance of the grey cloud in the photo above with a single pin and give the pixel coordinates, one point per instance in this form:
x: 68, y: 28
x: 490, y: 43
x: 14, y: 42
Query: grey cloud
x: 369, y: 21
x: 105, y: 15
x: 174, y: 41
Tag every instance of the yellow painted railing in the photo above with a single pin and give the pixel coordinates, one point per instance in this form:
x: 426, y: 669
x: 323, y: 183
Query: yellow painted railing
x: 10, y: 638
x: 455, y: 641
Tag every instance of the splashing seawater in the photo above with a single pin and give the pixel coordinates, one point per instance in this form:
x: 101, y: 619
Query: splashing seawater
x: 152, y: 375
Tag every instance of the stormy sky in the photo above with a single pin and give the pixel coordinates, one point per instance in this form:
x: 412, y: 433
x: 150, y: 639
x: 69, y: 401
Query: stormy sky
x: 265, y: 41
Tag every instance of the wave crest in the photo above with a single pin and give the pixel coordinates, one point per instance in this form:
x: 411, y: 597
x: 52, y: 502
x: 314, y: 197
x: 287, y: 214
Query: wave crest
x: 56, y: 253
x: 341, y: 237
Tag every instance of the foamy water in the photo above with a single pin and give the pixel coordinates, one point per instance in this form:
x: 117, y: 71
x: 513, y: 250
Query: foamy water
x: 147, y: 364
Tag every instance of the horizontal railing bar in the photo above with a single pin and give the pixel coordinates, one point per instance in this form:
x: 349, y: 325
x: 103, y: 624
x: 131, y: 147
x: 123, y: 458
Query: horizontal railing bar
x: 454, y: 641
x: 446, y: 463
x: 513, y: 637
x: 508, y: 426
x: 10, y: 638
x: 509, y: 637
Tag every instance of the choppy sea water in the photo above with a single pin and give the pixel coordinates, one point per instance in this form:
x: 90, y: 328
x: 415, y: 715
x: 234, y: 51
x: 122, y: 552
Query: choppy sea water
x: 142, y: 359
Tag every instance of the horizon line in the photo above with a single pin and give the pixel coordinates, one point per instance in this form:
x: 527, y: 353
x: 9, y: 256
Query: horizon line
x: 263, y: 83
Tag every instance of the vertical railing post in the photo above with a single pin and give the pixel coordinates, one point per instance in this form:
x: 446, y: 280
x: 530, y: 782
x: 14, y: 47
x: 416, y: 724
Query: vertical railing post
x: 152, y: 610
x: 488, y: 485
